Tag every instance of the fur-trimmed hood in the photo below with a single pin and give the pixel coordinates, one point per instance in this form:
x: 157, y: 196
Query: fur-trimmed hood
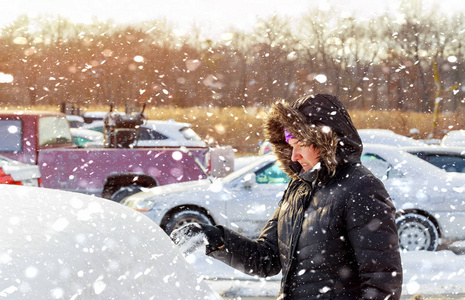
x: 319, y: 120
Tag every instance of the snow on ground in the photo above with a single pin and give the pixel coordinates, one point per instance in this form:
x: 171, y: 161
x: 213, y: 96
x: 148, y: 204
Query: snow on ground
x: 426, y: 273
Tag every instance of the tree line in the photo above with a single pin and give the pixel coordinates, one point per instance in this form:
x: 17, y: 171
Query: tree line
x: 382, y: 63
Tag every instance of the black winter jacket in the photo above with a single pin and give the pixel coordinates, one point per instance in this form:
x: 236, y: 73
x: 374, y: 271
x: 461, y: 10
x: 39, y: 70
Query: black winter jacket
x: 333, y: 235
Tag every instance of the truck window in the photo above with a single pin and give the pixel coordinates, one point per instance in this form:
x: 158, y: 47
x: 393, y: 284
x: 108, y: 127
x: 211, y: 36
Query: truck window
x: 12, y: 133
x: 54, y: 130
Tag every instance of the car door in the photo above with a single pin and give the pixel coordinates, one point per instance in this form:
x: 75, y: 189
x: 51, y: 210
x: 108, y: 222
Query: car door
x: 393, y: 180
x: 256, y: 199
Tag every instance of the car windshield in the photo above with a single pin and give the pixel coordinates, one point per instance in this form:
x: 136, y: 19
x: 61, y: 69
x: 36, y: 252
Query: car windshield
x: 261, y: 160
x: 272, y: 174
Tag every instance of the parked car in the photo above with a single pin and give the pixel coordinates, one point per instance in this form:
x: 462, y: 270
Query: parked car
x: 454, y: 138
x: 82, y: 137
x: 92, y: 116
x: 243, y: 200
x: 64, y: 245
x: 386, y: 137
x: 430, y: 202
x: 75, y: 121
x: 15, y: 172
x: 265, y: 147
x: 160, y: 133
x: 451, y: 159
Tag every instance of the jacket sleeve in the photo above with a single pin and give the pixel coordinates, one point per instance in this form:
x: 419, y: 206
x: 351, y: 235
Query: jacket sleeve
x: 254, y: 257
x: 372, y: 231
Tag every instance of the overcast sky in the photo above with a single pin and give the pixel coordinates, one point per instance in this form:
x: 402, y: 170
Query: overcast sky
x: 210, y: 15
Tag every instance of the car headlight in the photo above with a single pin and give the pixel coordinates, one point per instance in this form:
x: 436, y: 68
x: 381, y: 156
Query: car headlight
x: 145, y: 205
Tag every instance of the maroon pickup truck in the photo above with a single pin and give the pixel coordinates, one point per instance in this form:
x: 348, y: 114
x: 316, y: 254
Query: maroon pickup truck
x: 44, y: 139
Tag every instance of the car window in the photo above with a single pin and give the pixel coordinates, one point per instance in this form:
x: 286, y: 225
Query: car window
x: 379, y: 167
x: 450, y: 163
x: 53, y: 130
x: 13, y: 135
x: 80, y: 141
x: 190, y: 134
x: 149, y: 134
x: 272, y: 174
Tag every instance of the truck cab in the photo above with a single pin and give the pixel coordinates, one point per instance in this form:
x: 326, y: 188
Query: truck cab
x: 26, y: 134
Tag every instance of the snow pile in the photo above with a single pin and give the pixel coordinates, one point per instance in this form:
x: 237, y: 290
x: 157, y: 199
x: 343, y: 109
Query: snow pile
x: 428, y: 273
x: 60, y: 245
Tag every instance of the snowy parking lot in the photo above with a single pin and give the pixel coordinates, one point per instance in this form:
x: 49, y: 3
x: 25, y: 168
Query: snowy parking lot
x: 439, y: 275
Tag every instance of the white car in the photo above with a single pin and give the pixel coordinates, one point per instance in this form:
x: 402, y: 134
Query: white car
x: 454, y: 138
x: 158, y: 133
x: 430, y: 201
x: 386, y: 137
x: 92, y: 116
x: 243, y: 200
x: 15, y: 172
x: 63, y: 245
x: 75, y: 121
x: 451, y: 159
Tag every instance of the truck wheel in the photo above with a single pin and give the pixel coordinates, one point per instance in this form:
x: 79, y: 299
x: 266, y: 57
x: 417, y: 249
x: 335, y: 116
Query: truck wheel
x: 417, y: 232
x: 184, y: 217
x: 124, y: 192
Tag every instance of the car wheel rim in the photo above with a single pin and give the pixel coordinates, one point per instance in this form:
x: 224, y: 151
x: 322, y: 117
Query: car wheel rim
x: 414, y: 236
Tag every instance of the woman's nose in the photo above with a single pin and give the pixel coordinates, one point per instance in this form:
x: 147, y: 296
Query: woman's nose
x: 295, y: 155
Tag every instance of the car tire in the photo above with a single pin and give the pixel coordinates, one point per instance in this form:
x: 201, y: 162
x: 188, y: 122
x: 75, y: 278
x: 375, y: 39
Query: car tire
x: 124, y: 192
x: 417, y: 232
x: 185, y: 217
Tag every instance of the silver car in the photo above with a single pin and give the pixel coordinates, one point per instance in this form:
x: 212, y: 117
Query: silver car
x: 430, y: 202
x: 243, y: 200
x: 161, y: 133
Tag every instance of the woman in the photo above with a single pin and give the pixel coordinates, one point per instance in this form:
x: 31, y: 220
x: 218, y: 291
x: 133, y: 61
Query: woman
x: 333, y: 235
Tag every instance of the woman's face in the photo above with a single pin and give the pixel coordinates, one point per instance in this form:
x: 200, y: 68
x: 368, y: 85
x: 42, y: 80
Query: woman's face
x: 307, y: 156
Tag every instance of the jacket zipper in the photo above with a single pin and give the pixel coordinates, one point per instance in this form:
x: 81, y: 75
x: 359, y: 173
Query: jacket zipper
x: 295, y: 235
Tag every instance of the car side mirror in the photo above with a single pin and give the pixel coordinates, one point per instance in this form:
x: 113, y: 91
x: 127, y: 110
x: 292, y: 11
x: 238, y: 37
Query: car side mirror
x: 249, y: 180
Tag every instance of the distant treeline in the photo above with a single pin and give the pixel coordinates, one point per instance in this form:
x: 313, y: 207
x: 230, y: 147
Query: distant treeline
x: 382, y: 63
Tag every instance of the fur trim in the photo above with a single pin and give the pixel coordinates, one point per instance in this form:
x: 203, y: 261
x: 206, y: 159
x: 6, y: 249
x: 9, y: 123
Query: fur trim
x: 283, y: 116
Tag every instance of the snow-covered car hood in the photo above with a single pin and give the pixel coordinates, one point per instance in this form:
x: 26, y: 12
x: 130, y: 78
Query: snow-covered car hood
x: 63, y: 245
